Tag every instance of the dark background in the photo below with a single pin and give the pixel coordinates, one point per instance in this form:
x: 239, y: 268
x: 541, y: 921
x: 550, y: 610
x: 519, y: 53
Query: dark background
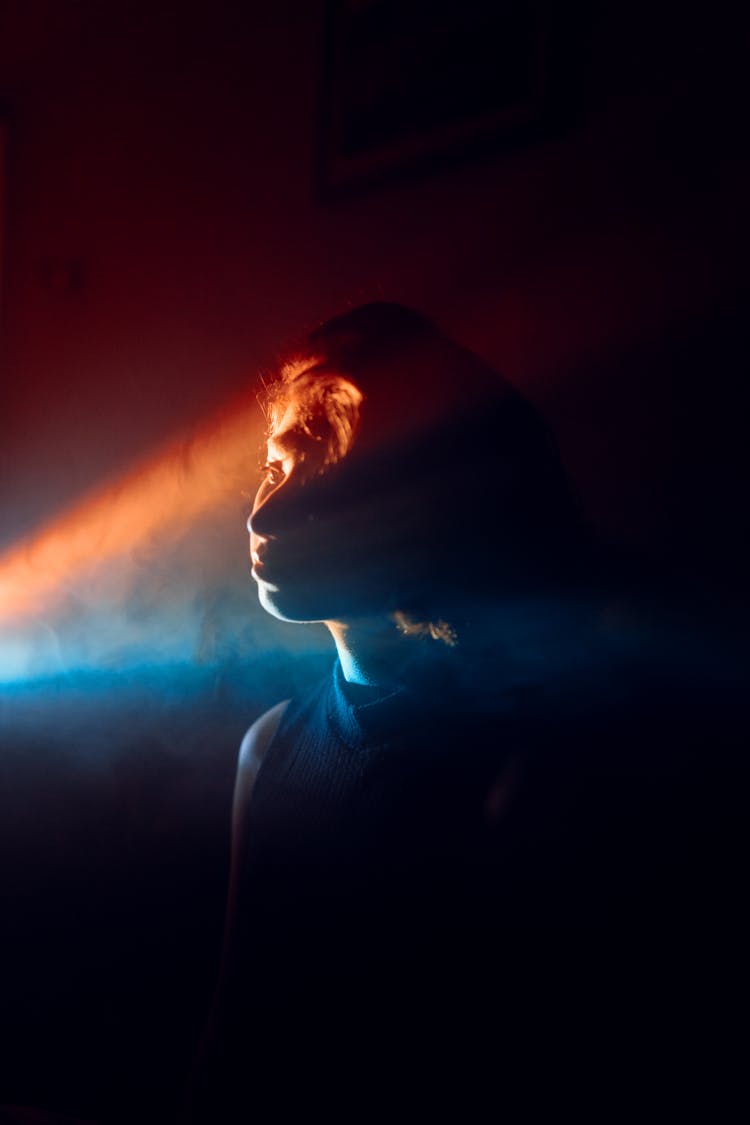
x: 167, y: 227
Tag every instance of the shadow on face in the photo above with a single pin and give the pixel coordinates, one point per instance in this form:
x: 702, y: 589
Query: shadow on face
x: 416, y: 514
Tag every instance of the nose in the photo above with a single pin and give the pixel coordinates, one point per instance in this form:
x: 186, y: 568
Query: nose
x: 289, y: 509
x: 255, y: 521
x: 273, y: 513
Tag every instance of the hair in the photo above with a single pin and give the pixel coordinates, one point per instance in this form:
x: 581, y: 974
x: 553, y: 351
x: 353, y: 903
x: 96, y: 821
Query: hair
x: 326, y: 405
x: 434, y: 404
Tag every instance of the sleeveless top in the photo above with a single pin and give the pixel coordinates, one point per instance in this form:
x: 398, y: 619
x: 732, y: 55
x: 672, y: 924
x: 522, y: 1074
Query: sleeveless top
x: 363, y: 880
x: 436, y: 877
x: 367, y: 807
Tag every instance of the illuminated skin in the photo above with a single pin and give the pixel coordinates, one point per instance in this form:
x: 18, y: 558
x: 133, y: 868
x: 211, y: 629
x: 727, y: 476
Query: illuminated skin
x: 407, y: 516
x: 327, y: 560
x: 321, y: 552
x: 401, y: 520
x: 285, y: 580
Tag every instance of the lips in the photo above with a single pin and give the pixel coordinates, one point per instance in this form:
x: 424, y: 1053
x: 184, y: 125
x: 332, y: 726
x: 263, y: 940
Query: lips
x: 258, y: 550
x: 258, y: 565
x: 260, y: 574
x: 259, y: 559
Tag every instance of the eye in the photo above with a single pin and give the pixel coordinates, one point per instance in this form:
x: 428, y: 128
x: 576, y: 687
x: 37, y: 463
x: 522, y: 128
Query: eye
x: 273, y: 472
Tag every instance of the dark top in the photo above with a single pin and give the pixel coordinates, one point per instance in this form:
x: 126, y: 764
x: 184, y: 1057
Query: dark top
x: 441, y: 890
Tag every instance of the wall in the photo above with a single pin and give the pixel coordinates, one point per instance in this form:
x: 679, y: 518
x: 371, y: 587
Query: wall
x: 163, y: 238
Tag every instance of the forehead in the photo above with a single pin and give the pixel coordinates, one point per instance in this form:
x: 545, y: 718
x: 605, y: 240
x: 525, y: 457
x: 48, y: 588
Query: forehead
x: 286, y: 425
x: 289, y: 435
x: 321, y: 410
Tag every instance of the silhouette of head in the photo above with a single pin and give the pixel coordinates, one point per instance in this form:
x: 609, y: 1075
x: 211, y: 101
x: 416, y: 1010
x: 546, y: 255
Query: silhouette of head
x: 403, y: 476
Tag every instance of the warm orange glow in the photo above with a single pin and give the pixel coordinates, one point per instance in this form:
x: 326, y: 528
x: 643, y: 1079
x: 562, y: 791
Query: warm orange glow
x: 308, y: 396
x: 177, y: 486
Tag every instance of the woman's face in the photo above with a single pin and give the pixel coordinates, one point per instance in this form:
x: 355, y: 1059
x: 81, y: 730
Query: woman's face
x: 288, y: 550
x: 336, y: 541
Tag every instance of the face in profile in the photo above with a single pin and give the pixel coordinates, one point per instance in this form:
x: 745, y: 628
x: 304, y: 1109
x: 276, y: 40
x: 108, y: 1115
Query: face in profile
x: 420, y: 483
x: 341, y: 528
x: 296, y: 533
x: 307, y: 529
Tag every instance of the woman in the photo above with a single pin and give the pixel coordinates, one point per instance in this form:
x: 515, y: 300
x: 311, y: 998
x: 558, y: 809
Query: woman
x: 436, y: 852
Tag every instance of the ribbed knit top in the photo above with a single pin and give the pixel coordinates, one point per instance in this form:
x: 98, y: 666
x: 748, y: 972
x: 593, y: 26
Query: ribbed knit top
x: 360, y: 785
x: 420, y: 860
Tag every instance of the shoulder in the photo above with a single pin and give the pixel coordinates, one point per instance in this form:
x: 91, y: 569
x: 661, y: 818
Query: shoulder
x: 259, y: 737
x: 253, y: 750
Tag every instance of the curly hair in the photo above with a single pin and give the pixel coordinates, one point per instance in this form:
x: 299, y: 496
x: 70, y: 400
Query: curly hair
x: 326, y: 404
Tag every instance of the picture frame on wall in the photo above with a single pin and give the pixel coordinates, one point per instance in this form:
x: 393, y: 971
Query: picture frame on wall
x: 410, y: 84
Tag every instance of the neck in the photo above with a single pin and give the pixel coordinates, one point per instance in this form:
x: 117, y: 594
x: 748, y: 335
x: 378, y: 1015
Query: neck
x: 373, y: 651
x: 526, y: 639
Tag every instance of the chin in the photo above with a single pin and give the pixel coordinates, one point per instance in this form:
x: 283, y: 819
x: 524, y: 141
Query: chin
x: 307, y: 606
x: 299, y: 609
